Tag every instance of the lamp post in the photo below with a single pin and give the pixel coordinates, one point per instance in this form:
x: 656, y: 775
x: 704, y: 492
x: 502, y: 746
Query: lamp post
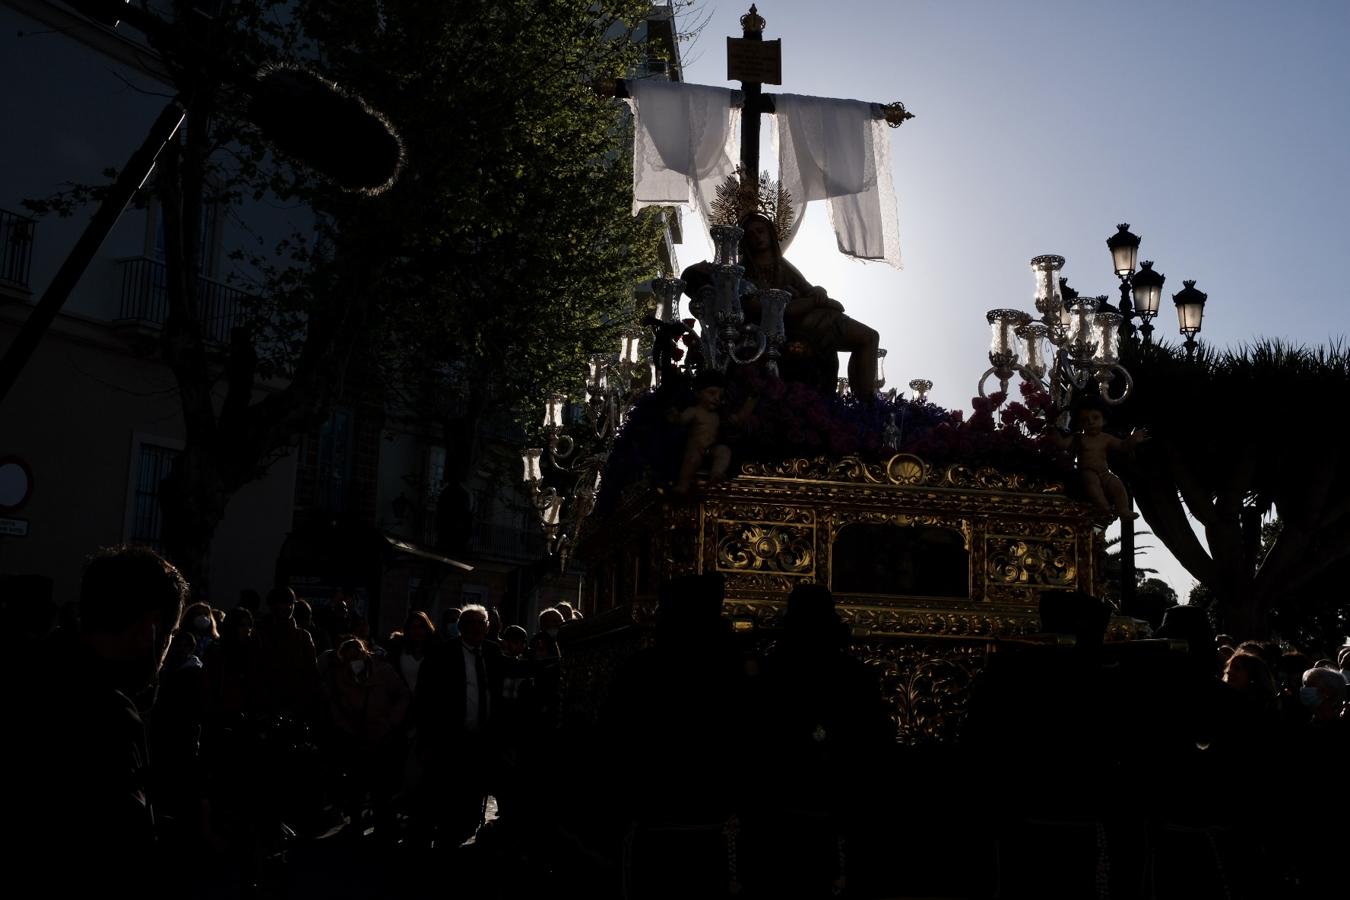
x: 613, y: 384
x: 1190, y: 305
x: 1084, y: 336
x: 1145, y: 286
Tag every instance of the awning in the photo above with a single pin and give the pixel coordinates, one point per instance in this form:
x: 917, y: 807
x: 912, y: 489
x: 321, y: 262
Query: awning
x: 401, y: 546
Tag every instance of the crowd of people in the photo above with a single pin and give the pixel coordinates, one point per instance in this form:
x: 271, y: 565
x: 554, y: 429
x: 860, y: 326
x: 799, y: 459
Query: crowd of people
x: 158, y: 732
x: 160, y: 740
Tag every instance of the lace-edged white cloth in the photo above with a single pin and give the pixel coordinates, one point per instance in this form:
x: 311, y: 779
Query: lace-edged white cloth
x: 684, y: 144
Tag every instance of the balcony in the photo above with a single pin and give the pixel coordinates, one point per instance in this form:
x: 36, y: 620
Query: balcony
x: 145, y: 299
x: 16, y: 249
x: 507, y: 543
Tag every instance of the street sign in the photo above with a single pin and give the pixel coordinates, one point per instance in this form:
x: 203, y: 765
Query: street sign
x: 13, y: 528
x: 16, y: 483
x: 755, y: 61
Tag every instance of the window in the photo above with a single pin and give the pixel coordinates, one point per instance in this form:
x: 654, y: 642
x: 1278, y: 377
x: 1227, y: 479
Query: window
x: 333, y: 475
x: 147, y: 519
x: 435, y: 472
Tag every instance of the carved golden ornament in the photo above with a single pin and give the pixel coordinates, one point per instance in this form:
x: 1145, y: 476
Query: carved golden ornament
x: 904, y: 469
x: 1029, y: 562
x: 760, y: 512
x: 896, y: 115
x: 763, y: 583
x: 1011, y: 594
x: 1032, y: 528
x: 788, y: 549
x: 765, y: 613
x: 926, y: 686
x: 963, y: 620
x: 848, y: 469
x: 960, y: 622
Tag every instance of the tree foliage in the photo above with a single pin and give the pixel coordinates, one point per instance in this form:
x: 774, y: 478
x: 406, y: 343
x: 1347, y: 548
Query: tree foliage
x: 500, y: 259
x: 1229, y: 447
x: 518, y: 247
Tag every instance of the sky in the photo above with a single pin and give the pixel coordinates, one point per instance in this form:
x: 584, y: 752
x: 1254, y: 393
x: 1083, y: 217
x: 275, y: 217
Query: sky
x: 1219, y: 130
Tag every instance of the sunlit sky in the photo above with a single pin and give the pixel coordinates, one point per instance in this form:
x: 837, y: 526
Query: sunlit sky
x: 1219, y: 130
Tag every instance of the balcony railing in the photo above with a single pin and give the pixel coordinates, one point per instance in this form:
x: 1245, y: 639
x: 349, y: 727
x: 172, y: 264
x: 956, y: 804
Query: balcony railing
x: 16, y: 248
x: 508, y: 543
x: 145, y: 299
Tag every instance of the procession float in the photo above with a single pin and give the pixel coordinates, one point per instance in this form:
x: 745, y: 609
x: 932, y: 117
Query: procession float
x: 721, y: 439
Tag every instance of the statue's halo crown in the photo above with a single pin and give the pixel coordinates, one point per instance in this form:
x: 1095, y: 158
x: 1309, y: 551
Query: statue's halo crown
x: 738, y: 198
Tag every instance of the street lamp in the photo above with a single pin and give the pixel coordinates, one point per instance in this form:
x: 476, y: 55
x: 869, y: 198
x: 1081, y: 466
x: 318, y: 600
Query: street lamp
x: 1147, y: 286
x: 1124, y: 246
x: 613, y: 383
x: 1084, y: 333
x: 1190, y: 313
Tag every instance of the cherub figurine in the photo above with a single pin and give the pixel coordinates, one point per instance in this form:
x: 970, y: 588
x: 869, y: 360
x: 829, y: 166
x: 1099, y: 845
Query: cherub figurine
x: 704, y: 421
x: 1090, y: 445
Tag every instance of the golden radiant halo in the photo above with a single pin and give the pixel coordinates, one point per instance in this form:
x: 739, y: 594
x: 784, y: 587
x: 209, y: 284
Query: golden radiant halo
x: 737, y: 198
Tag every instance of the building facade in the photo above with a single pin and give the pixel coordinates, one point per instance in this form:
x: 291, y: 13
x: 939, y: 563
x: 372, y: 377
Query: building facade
x: 95, y: 415
x: 359, y: 508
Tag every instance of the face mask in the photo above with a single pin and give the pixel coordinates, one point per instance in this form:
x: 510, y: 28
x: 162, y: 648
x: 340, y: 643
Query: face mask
x: 202, y: 624
x: 1309, y: 696
x: 551, y: 632
x: 454, y: 630
x: 358, y: 667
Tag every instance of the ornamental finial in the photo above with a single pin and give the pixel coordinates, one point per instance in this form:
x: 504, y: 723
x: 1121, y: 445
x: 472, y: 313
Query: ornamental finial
x: 896, y: 114
x: 752, y: 22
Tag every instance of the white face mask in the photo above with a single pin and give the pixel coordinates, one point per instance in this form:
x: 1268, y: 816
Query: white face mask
x: 1309, y: 696
x: 551, y: 632
x: 358, y: 667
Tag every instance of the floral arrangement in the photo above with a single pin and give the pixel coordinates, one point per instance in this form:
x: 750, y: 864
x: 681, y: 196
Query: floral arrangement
x: 791, y: 419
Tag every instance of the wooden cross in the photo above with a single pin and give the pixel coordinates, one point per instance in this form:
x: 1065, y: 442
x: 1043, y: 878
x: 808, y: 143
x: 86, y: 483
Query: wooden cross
x: 755, y: 62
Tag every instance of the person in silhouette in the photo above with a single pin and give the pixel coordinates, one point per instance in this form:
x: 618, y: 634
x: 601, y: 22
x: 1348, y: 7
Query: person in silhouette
x: 84, y: 815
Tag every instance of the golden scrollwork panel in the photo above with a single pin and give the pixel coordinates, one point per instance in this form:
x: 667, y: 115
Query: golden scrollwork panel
x: 1023, y: 595
x: 751, y: 511
x: 1018, y: 561
x: 939, y: 622
x: 765, y: 547
x: 926, y: 686
x: 1042, y: 529
x: 904, y: 469
x: 764, y: 613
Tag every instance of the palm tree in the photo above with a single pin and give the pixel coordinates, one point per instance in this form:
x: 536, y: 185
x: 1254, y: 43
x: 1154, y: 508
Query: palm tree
x: 1231, y: 447
x: 1110, y: 567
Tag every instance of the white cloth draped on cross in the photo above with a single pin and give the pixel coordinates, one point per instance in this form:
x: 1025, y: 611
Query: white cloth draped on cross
x: 685, y: 142
x: 835, y: 150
